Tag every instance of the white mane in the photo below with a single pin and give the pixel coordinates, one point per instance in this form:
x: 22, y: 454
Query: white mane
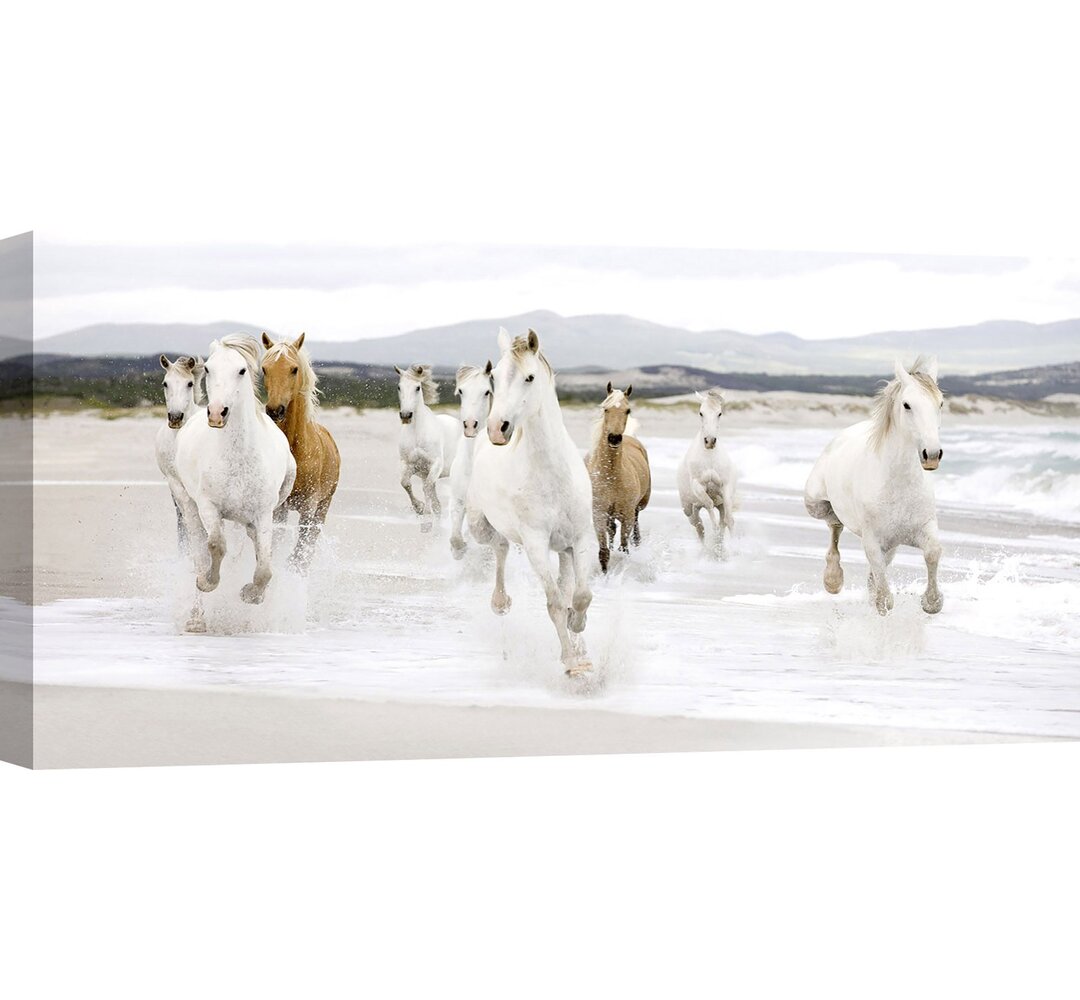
x: 248, y: 348
x: 884, y: 413
x: 422, y: 375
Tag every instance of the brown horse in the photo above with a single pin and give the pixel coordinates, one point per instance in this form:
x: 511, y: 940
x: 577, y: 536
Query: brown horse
x: 292, y: 403
x: 619, y: 469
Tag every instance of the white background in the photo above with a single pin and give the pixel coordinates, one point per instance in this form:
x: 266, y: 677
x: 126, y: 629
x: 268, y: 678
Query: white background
x: 908, y: 127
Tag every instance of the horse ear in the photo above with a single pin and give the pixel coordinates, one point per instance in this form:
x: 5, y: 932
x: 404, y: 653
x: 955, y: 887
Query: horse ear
x: 266, y: 341
x: 299, y: 342
x: 164, y: 362
x: 609, y: 388
x: 186, y: 362
x: 504, y: 339
x: 629, y: 390
x: 487, y: 370
x: 700, y: 397
x: 534, y: 341
x: 901, y: 372
x: 398, y: 370
x: 930, y: 367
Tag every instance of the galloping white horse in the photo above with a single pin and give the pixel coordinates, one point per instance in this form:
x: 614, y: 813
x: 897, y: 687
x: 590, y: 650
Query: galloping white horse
x: 184, y: 395
x: 872, y: 479
x: 529, y: 486
x: 473, y: 388
x: 235, y: 465
x: 706, y: 476
x: 429, y: 441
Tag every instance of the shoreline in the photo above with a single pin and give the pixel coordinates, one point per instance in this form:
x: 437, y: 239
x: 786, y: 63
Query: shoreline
x: 86, y: 727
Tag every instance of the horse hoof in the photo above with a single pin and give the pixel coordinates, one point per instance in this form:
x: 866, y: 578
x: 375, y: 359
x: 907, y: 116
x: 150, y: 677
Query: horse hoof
x: 579, y: 668
x: 834, y: 582
x: 250, y: 594
x: 501, y: 607
x: 196, y: 626
x: 932, y: 605
x: 205, y: 584
x: 457, y: 549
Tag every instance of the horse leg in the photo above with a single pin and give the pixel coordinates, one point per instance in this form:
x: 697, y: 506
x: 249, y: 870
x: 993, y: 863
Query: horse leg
x: 312, y: 517
x: 406, y: 485
x: 210, y: 575
x: 626, y: 527
x: 932, y: 600
x: 582, y: 596
x: 878, y: 581
x: 181, y: 530
x: 636, y: 537
x: 430, y: 491
x: 834, y: 572
x: 457, y: 519
x: 500, y: 599
x: 693, y: 513
x: 600, y: 526
x: 262, y: 534
x: 536, y: 548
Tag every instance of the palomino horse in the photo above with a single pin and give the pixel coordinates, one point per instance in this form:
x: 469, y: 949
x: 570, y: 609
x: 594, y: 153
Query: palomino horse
x: 872, y: 478
x: 529, y: 486
x: 429, y: 441
x: 473, y: 388
x: 235, y: 465
x: 184, y: 394
x: 619, y: 469
x: 706, y: 476
x: 292, y: 402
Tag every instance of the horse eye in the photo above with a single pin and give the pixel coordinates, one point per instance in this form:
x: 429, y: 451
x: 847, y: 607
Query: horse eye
x: 907, y: 406
x: 243, y: 371
x: 530, y: 378
x: 191, y: 385
x: 418, y: 388
x: 295, y: 370
x: 163, y: 385
x: 628, y: 411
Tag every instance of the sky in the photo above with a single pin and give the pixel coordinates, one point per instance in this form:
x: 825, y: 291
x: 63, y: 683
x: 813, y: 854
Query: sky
x: 342, y: 292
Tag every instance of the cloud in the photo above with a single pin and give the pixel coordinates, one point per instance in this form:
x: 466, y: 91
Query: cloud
x: 340, y: 293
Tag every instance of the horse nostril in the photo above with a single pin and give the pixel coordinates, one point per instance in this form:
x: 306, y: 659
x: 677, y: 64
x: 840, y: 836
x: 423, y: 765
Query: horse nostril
x: 505, y: 426
x: 925, y: 455
x: 224, y: 411
x: 941, y: 454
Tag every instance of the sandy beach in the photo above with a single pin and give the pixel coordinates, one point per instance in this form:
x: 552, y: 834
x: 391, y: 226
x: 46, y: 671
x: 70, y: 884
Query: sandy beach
x: 389, y: 648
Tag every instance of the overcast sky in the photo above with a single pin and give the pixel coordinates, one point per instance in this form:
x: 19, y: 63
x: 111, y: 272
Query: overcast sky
x: 343, y: 292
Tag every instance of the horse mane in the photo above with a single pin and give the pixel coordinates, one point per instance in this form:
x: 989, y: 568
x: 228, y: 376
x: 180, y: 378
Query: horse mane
x: 883, y: 416
x: 422, y: 374
x: 249, y: 349
x: 308, y: 378
x: 519, y: 351
x: 714, y: 396
x: 467, y: 372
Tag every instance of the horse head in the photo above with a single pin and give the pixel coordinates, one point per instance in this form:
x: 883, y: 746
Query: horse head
x: 915, y: 404
x: 232, y: 370
x: 615, y: 412
x: 523, y: 380
x: 287, y: 374
x: 181, y: 387
x: 473, y: 389
x: 710, y: 410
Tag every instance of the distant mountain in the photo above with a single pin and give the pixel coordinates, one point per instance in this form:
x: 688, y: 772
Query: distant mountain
x: 134, y: 339
x: 619, y: 342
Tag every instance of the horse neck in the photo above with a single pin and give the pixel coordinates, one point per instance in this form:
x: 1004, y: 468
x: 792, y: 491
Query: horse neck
x: 192, y: 407
x: 606, y: 459
x: 297, y: 419
x: 244, y: 417
x: 424, y: 418
x: 545, y: 428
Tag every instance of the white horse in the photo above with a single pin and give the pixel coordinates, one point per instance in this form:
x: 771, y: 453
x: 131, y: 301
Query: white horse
x: 429, y: 441
x: 872, y: 478
x: 236, y: 465
x: 184, y: 395
x: 473, y: 387
x: 706, y: 475
x: 529, y: 486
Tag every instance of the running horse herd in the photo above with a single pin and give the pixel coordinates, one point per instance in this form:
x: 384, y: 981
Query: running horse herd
x: 515, y: 475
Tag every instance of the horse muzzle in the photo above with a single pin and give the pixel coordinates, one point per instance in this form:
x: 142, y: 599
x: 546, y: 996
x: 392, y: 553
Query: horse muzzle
x: 500, y: 433
x: 931, y: 459
x: 276, y: 413
x: 471, y: 428
x: 217, y: 417
x: 406, y: 418
x: 614, y: 440
x: 176, y: 421
x: 710, y: 443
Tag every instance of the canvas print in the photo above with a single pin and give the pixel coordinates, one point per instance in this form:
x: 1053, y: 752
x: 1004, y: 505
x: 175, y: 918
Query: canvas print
x: 283, y: 503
